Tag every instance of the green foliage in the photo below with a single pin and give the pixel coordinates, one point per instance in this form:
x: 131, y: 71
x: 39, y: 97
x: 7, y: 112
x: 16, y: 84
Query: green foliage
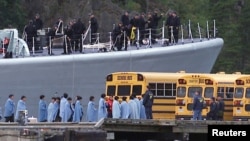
x: 12, y: 14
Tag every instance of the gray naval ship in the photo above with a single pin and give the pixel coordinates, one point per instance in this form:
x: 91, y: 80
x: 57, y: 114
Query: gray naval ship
x: 33, y: 73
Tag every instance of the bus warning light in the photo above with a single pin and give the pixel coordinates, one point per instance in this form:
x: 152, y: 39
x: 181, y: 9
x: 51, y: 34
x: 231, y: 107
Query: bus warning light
x: 209, y: 82
x: 239, y: 82
x: 109, y: 77
x: 182, y: 81
x: 139, y: 77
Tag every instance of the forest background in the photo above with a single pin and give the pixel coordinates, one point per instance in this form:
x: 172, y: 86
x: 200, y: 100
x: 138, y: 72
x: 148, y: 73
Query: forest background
x: 231, y: 18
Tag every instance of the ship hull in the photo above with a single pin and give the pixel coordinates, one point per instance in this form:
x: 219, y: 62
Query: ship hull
x: 84, y: 74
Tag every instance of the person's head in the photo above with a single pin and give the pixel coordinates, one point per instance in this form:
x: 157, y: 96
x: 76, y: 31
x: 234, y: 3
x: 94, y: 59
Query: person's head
x: 103, y: 95
x: 212, y: 99
x: 133, y: 94
x: 116, y: 97
x: 65, y: 95
x: 131, y: 97
x: 148, y: 87
x: 142, y: 96
x: 11, y: 96
x: 197, y: 93
x: 174, y: 14
x: 126, y: 13
x: 69, y: 99
x: 53, y: 99
x: 124, y: 98
x: 37, y: 16
x: 58, y: 99
x: 110, y: 97
x: 219, y: 98
x: 91, y: 98
x: 78, y: 97
x: 23, y: 98
x: 42, y: 97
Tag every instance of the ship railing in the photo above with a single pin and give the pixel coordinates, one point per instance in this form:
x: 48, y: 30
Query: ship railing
x: 187, y: 33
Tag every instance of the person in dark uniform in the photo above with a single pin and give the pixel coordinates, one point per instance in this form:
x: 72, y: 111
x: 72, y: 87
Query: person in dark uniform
x: 151, y: 24
x: 93, y: 27
x: 221, y: 108
x: 212, y: 114
x: 67, y: 48
x: 142, y: 25
x: 198, y: 102
x: 135, y: 24
x: 78, y: 30
x: 51, y: 34
x: 38, y: 22
x: 173, y: 25
x: 30, y: 31
x: 116, y: 36
x: 148, y: 101
x: 125, y: 19
x: 156, y: 19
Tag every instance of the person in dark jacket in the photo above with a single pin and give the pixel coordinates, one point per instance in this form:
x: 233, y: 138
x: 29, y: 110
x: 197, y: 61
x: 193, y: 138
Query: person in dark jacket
x: 198, y: 102
x: 38, y: 23
x: 93, y: 28
x: 173, y: 24
x: 125, y: 19
x: 212, y: 114
x: 78, y: 29
x: 148, y: 102
x: 221, y: 108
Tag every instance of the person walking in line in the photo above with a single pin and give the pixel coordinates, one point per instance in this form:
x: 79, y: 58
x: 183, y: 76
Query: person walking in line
x: 9, y: 109
x: 78, y: 112
x: 116, y: 108
x: 21, y: 106
x: 42, y: 116
x: 102, y: 110
x: 91, y: 110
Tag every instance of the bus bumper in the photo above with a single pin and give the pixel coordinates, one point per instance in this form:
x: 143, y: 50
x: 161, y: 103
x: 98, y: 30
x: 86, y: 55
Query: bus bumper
x: 187, y: 117
x: 241, y: 118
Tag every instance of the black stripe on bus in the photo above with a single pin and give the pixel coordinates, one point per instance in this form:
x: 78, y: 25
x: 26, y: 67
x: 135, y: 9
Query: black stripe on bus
x: 164, y: 97
x: 168, y: 112
x: 165, y: 104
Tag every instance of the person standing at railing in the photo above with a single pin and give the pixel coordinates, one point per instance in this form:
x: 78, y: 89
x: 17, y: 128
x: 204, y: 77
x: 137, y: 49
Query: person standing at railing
x: 31, y: 34
x: 38, y: 22
x: 93, y: 28
x: 173, y: 25
x: 156, y: 19
x: 78, y: 29
x: 67, y: 47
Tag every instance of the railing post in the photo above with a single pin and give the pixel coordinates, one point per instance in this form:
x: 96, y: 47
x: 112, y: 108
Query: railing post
x: 199, y: 29
x: 214, y: 30
x: 138, y: 38
x: 190, y: 31
x: 163, y: 32
x: 182, y: 38
x: 33, y: 46
x: 110, y: 41
x: 66, y: 45
x: 50, y: 45
x: 150, y: 38
x: 208, y: 36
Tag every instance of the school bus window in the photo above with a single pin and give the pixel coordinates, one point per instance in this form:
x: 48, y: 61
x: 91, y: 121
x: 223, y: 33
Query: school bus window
x: 247, y: 107
x: 160, y: 93
x: 220, y: 91
x: 247, y: 93
x: 153, y: 88
x: 209, y: 92
x: 170, y: 89
x: 238, y: 92
x: 229, y: 92
x: 192, y: 90
x: 111, y: 90
x: 190, y: 106
x: 124, y: 90
x: 137, y: 89
x: 181, y: 91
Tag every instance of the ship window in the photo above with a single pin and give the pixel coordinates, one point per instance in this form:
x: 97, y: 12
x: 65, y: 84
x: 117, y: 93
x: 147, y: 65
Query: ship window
x: 111, y: 90
x: 124, y: 90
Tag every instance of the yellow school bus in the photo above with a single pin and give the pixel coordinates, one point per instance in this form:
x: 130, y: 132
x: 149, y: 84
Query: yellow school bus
x: 209, y: 85
x: 241, y: 99
x: 163, y: 86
